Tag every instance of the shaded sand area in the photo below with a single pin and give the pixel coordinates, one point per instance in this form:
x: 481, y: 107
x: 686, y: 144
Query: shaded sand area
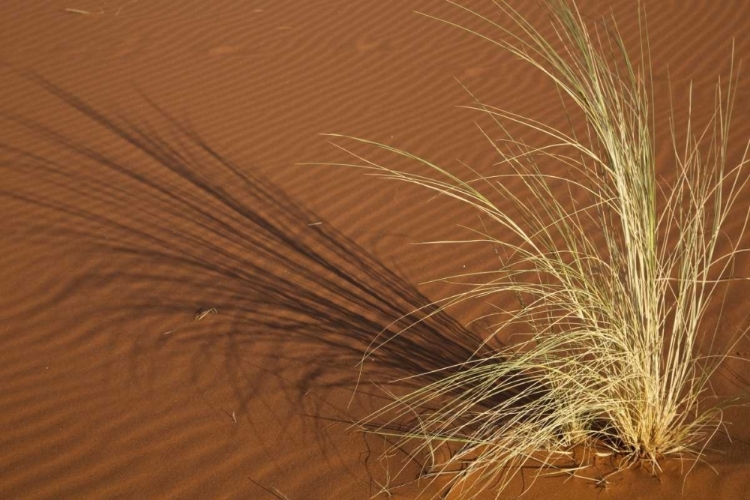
x: 148, y: 161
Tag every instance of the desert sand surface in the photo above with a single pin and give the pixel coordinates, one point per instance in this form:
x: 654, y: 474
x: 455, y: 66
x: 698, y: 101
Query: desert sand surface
x: 150, y: 159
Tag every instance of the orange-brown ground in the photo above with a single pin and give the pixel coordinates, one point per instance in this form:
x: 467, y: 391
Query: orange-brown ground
x: 118, y: 226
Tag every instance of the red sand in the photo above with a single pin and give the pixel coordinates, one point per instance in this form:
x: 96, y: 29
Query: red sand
x: 118, y: 228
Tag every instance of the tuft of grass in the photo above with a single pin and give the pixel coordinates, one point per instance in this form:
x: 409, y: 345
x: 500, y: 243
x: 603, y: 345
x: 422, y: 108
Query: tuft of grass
x: 616, y: 357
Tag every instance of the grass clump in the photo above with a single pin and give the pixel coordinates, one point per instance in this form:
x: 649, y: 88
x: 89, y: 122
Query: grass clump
x: 613, y: 292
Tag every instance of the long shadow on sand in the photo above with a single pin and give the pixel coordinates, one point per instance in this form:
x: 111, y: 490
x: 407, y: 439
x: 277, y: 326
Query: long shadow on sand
x: 192, y: 217
x: 192, y: 231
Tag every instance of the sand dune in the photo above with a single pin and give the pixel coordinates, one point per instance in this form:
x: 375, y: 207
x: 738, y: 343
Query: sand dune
x: 150, y: 159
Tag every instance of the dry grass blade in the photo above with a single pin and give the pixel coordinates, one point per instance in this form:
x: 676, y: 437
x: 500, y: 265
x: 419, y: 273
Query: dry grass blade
x: 617, y: 357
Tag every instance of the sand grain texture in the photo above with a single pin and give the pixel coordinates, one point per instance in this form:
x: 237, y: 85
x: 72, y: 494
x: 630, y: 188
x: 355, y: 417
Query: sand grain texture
x: 148, y: 171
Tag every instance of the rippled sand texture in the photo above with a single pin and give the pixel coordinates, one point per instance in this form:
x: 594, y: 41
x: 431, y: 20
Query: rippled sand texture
x: 148, y: 158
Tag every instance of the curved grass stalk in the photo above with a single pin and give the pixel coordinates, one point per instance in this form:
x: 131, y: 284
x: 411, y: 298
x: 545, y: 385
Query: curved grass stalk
x: 616, y: 354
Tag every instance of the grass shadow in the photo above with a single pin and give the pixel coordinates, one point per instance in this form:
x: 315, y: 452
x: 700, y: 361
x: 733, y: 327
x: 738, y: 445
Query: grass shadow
x: 191, y: 230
